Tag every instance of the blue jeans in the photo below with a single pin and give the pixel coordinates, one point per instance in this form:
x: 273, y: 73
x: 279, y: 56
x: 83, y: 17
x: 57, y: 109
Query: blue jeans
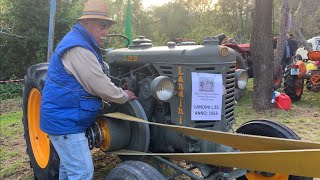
x: 75, y: 156
x: 285, y: 63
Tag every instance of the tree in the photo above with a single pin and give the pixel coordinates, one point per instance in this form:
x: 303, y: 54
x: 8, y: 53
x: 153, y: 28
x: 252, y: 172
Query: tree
x: 234, y: 18
x: 172, y: 20
x: 284, y: 28
x: 305, y: 21
x: 307, y: 16
x: 262, y: 55
x: 31, y: 18
x: 7, y: 24
x: 297, y: 29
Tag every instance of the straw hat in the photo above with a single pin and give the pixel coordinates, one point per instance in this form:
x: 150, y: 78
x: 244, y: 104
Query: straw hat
x: 96, y: 9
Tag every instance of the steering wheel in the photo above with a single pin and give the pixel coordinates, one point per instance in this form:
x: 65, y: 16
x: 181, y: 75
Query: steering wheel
x: 114, y: 41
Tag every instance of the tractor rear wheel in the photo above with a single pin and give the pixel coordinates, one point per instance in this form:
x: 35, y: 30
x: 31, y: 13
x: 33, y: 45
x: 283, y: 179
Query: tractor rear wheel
x: 44, y: 159
x: 293, y: 85
x: 309, y: 85
x: 134, y: 170
x: 270, y: 129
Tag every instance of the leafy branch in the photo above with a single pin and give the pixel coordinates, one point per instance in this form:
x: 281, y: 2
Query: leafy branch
x: 6, y: 28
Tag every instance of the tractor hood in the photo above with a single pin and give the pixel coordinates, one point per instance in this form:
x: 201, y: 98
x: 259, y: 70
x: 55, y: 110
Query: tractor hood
x: 144, y: 53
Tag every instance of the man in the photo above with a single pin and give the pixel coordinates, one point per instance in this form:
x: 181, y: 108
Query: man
x: 293, y: 45
x: 286, y: 60
x: 75, y: 85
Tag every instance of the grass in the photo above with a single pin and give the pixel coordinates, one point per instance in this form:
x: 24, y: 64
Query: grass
x: 5, y: 154
x: 11, y: 169
x: 303, y: 117
x: 11, y: 133
x: 10, y: 124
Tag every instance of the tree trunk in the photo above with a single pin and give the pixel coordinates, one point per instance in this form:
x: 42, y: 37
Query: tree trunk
x: 282, y: 33
x: 297, y: 30
x: 262, y: 55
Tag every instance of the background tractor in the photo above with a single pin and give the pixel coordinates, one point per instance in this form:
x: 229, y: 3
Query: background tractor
x: 298, y: 72
x: 243, y: 59
x: 187, y: 86
x: 244, y: 56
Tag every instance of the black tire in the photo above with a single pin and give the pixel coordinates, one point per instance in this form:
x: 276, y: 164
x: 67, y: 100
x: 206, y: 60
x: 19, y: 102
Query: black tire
x: 290, y: 85
x: 309, y: 85
x: 270, y: 129
x: 241, y: 63
x: 34, y: 80
x: 134, y: 170
x: 250, y: 66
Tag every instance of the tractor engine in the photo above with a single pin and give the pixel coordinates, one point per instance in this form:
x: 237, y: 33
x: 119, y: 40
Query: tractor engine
x: 179, y: 85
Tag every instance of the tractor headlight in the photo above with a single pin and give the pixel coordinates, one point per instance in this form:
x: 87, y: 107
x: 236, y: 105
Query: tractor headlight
x: 241, y: 78
x: 162, y: 88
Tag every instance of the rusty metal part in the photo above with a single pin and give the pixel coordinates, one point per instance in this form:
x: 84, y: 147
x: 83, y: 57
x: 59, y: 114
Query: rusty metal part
x: 315, y: 79
x: 94, y: 136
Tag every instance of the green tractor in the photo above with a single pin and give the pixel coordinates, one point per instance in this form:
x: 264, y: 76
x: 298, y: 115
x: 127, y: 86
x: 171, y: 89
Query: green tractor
x: 187, y: 86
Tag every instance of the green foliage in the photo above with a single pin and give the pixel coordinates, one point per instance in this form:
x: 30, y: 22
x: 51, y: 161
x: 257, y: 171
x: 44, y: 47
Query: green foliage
x: 234, y: 18
x: 10, y: 90
x: 194, y: 19
x: 30, y: 20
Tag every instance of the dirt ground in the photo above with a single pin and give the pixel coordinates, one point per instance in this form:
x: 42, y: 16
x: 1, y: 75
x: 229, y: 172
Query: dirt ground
x: 103, y: 162
x: 10, y: 105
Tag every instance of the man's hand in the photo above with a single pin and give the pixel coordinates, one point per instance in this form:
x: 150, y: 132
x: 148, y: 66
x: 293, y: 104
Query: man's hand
x: 130, y: 95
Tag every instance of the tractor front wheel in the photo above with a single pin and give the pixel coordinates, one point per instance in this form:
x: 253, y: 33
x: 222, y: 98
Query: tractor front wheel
x: 269, y: 129
x: 44, y: 160
x: 135, y: 170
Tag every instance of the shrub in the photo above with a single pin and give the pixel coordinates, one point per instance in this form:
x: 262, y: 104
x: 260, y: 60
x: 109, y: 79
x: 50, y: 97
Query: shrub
x: 10, y: 90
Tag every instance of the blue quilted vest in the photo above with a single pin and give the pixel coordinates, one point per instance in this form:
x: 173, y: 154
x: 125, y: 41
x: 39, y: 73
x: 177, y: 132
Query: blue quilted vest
x: 66, y: 107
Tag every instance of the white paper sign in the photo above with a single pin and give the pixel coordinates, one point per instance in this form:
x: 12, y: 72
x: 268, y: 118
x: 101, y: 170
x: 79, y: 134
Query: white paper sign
x: 207, y: 90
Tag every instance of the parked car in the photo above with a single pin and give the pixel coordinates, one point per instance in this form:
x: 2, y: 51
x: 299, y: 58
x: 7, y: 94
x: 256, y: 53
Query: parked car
x: 302, y: 53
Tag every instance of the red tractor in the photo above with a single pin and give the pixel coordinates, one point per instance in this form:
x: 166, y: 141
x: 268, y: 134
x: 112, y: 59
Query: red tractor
x: 300, y: 70
x: 245, y: 56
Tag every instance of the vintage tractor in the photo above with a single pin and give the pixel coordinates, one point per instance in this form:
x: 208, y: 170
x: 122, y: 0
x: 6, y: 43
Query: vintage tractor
x: 190, y: 87
x: 298, y: 72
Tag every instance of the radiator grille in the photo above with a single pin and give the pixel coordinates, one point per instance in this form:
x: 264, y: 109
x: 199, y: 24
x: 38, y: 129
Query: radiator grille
x: 166, y: 71
x: 229, y: 81
x: 229, y: 99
